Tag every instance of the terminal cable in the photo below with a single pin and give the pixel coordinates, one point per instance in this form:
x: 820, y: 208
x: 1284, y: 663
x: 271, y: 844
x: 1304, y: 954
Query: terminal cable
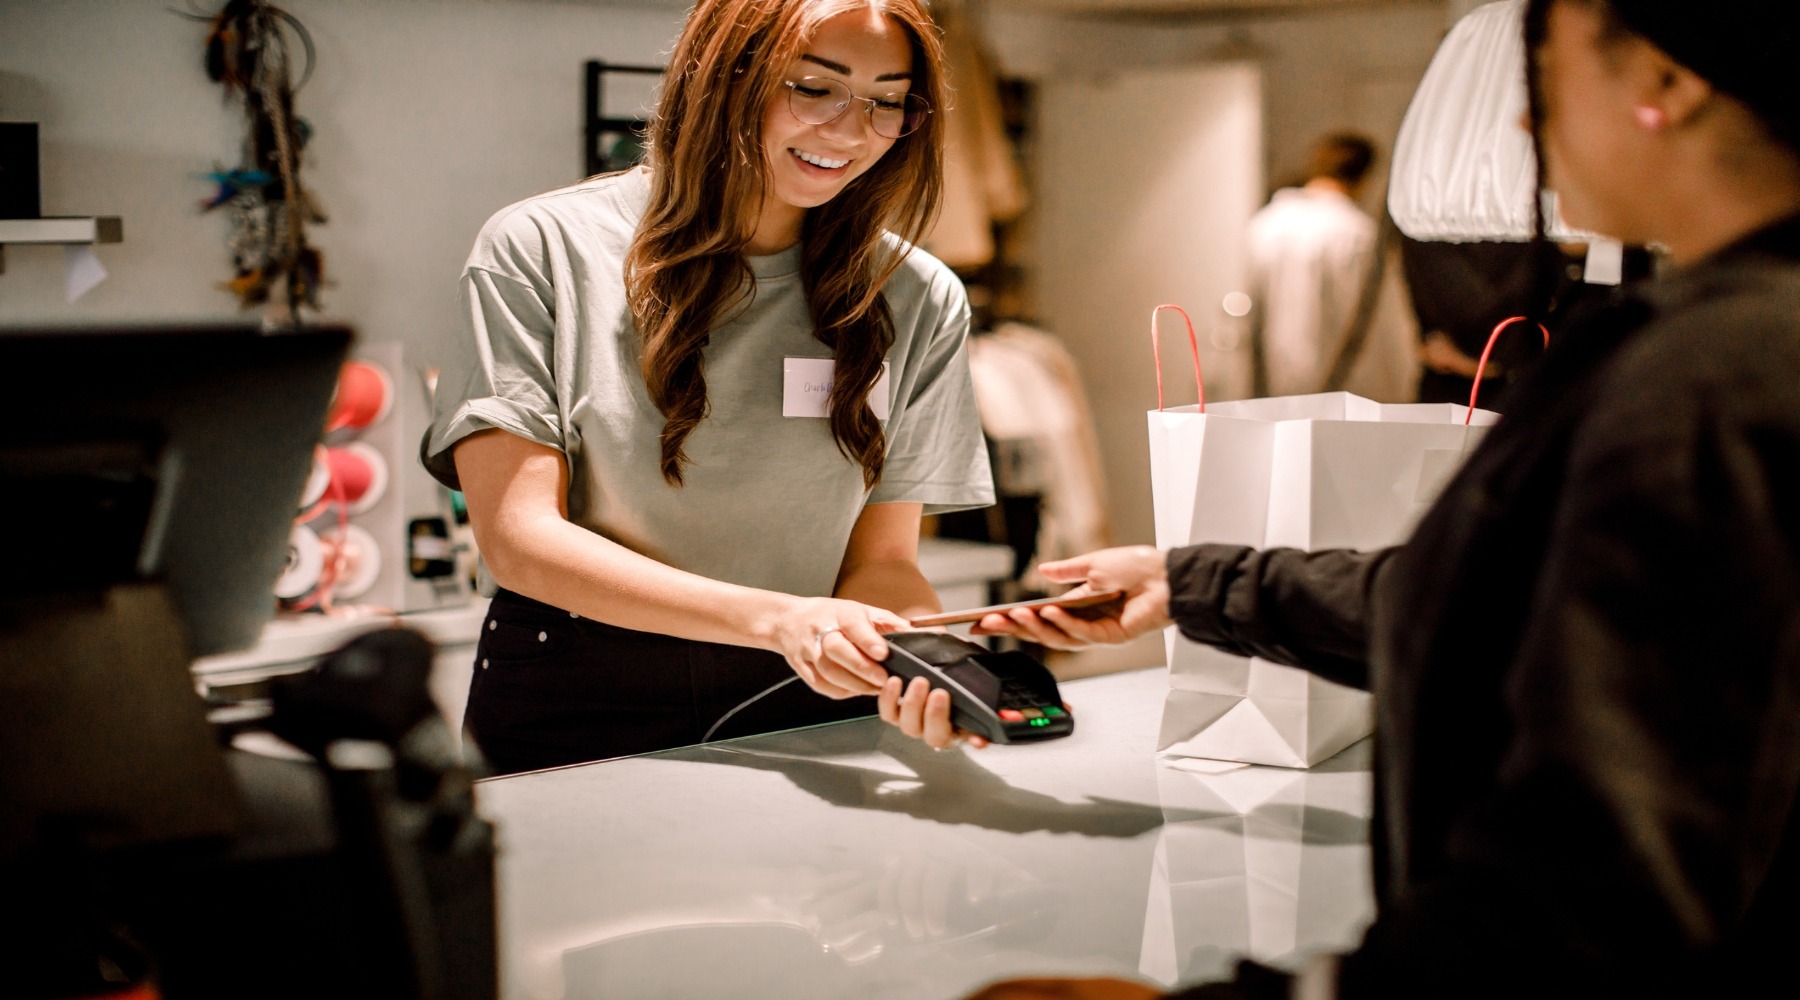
x: 746, y: 703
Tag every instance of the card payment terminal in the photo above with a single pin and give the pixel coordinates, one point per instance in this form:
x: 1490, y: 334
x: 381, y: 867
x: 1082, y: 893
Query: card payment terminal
x: 1006, y: 697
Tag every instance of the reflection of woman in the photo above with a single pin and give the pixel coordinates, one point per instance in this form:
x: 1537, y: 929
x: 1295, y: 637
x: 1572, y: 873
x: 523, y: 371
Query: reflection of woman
x: 705, y: 405
x: 1587, y: 660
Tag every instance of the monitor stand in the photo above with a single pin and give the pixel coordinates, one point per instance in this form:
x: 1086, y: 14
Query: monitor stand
x: 133, y: 837
x: 106, y: 740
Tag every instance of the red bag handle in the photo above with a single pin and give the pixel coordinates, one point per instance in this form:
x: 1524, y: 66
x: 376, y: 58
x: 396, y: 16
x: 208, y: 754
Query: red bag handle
x: 1156, y: 351
x: 1481, y: 366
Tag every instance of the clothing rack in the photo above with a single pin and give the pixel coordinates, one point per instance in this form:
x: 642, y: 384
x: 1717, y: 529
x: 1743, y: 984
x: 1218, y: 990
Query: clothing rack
x: 603, y: 133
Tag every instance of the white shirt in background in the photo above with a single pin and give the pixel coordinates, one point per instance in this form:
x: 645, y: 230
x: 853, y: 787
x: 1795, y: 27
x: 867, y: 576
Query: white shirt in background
x: 1310, y: 252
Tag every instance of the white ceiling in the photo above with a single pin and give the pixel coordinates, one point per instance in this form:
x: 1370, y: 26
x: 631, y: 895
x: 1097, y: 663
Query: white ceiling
x: 1126, y: 9
x: 1196, y: 8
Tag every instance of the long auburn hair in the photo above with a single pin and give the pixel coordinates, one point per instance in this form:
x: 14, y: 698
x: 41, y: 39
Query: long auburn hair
x: 685, y: 272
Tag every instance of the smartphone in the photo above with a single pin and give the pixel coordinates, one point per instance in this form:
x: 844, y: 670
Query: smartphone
x: 1094, y: 605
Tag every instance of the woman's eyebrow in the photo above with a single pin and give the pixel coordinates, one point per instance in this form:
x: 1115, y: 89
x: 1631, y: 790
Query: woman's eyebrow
x: 838, y: 67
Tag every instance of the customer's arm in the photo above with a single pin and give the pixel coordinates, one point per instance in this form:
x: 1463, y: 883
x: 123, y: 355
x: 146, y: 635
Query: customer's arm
x: 1303, y: 609
x: 1300, y: 609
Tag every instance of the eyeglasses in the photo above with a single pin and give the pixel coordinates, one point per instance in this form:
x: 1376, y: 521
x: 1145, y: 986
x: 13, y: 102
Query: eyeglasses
x: 817, y: 100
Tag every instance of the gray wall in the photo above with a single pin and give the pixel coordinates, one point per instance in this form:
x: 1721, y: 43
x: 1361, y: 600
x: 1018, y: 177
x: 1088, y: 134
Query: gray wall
x: 1322, y: 71
x: 432, y: 114
x: 429, y: 115
x: 1454, y: 10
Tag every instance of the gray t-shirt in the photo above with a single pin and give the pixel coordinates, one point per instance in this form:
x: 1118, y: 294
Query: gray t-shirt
x: 551, y: 355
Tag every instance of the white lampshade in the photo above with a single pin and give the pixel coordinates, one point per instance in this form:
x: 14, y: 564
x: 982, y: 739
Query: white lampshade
x: 1464, y: 169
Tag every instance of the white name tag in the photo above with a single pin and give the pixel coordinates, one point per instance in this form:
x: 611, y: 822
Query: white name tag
x: 1605, y: 262
x: 806, y: 388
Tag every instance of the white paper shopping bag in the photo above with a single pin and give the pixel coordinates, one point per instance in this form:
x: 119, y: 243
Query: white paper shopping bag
x: 1329, y: 470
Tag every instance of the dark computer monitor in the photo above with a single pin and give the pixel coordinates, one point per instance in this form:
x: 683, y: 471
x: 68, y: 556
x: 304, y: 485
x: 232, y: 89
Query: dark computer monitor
x: 149, y: 477
x: 163, y: 452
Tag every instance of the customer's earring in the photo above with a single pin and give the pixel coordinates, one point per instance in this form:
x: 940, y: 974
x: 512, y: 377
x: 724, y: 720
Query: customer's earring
x: 1651, y: 118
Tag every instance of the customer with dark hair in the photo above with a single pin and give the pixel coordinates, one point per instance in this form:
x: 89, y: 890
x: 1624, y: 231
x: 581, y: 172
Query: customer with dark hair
x: 1318, y: 321
x: 1586, y: 660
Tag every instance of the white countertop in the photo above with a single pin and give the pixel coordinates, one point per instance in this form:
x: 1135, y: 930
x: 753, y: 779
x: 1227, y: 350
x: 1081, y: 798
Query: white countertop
x: 847, y: 860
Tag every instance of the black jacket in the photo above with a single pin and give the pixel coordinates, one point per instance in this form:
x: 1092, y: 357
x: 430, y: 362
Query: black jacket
x: 1585, y: 662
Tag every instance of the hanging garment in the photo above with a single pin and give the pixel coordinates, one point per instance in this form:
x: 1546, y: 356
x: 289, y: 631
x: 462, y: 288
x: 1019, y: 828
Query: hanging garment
x: 982, y: 181
x: 1029, y: 393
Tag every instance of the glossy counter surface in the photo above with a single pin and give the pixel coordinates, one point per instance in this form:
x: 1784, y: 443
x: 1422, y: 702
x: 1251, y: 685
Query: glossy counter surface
x: 849, y: 861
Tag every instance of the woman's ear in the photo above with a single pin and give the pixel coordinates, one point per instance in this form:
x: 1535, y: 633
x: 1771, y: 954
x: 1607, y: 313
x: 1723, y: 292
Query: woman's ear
x: 1672, y: 94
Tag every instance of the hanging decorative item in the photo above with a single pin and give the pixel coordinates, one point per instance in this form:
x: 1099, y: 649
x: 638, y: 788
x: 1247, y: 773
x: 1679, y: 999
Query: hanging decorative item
x: 247, y: 53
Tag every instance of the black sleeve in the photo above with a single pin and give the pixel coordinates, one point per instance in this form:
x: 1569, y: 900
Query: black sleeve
x: 1299, y: 609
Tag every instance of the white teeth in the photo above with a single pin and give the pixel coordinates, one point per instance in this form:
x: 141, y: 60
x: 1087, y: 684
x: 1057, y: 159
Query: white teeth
x: 820, y: 161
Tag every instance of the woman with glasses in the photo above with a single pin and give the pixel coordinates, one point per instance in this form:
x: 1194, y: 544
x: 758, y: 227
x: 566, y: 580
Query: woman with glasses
x: 702, y: 405
x: 1586, y: 660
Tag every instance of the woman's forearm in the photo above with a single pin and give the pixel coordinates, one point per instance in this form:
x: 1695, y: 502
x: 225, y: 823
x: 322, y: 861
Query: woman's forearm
x: 897, y: 585
x: 516, y: 492
x: 567, y: 566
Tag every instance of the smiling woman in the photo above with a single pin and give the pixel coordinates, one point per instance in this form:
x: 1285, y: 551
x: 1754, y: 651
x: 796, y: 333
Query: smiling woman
x: 676, y: 527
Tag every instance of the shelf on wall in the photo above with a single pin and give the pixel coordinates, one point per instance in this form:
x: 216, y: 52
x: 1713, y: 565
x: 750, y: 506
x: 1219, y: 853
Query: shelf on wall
x: 68, y: 229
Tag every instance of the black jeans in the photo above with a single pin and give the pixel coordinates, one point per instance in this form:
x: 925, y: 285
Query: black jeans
x: 551, y: 688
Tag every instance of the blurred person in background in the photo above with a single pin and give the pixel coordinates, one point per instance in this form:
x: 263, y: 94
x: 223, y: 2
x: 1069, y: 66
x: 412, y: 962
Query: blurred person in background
x: 1326, y: 313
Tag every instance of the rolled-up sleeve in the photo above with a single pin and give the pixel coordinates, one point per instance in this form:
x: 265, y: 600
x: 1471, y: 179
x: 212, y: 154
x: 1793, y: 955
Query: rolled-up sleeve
x: 499, y: 375
x: 936, y: 453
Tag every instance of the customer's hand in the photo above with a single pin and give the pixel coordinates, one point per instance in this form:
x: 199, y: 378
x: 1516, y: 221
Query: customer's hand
x: 1440, y: 354
x: 1067, y: 989
x: 1138, y: 570
x: 836, y: 645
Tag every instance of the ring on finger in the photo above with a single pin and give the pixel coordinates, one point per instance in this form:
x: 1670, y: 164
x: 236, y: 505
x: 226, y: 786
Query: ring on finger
x: 819, y: 641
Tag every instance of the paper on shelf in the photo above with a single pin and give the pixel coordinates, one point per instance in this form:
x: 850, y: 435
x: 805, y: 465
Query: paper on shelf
x: 82, y: 271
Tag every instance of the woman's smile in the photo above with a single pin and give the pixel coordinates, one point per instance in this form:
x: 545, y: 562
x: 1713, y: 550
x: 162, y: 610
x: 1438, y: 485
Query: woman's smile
x: 826, y: 164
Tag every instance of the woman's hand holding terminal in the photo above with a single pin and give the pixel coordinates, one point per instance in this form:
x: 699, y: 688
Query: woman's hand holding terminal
x: 922, y: 713
x: 1138, y: 570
